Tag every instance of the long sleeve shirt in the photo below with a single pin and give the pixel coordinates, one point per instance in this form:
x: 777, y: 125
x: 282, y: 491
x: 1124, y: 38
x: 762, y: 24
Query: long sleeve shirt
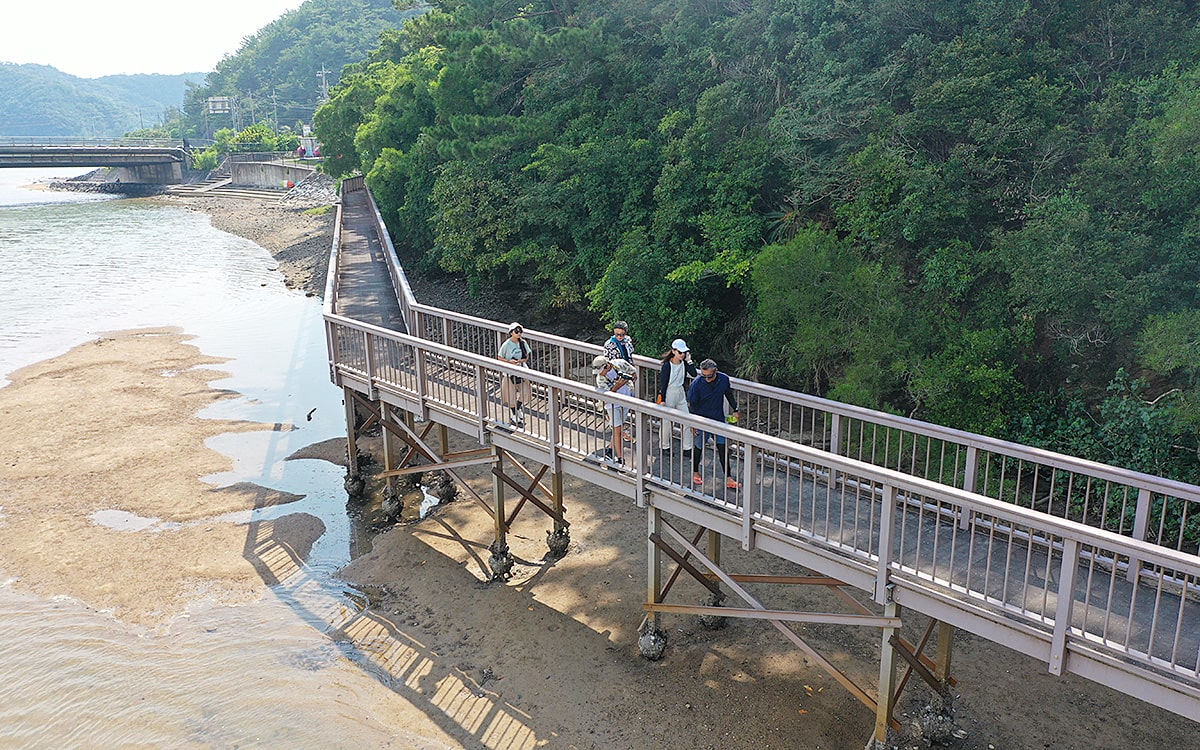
x: 704, y: 398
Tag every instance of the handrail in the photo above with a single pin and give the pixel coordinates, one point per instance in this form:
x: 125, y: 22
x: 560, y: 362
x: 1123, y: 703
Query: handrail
x: 1099, y: 615
x: 916, y: 486
x: 951, y: 542
x: 21, y: 140
x: 1099, y: 495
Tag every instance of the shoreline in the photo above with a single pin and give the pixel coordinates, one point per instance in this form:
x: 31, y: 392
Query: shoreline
x: 298, y: 236
x: 524, y: 646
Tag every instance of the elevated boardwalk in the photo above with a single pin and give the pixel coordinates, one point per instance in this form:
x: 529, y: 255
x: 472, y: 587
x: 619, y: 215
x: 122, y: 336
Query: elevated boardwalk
x: 1083, y: 566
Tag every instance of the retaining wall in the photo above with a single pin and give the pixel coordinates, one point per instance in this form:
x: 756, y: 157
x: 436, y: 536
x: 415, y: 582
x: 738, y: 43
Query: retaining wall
x: 265, y: 174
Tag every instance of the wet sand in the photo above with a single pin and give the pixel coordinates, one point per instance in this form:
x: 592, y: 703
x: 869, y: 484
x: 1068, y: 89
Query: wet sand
x: 547, y: 659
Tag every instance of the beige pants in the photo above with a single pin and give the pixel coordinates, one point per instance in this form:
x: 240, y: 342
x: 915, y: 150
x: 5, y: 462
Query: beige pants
x: 511, y: 393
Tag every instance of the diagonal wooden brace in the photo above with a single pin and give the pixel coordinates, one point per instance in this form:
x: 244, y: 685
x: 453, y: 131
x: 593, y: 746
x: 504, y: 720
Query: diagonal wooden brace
x: 684, y: 564
x: 787, y: 632
x: 527, y: 494
x: 417, y: 441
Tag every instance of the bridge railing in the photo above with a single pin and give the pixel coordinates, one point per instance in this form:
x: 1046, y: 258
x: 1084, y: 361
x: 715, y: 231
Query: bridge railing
x: 65, y: 141
x: 1060, y: 581
x: 1129, y: 503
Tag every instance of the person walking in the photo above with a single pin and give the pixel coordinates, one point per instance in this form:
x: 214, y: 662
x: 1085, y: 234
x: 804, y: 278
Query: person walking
x: 615, y: 376
x: 676, y: 370
x: 620, y: 344
x: 515, y: 390
x: 706, y: 398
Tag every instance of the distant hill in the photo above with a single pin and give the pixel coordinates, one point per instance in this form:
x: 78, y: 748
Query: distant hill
x: 42, y: 100
x: 280, y: 72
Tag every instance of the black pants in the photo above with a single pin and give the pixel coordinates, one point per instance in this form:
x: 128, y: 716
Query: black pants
x: 722, y: 456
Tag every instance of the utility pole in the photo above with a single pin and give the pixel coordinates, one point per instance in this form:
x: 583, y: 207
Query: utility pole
x: 322, y: 73
x: 275, y: 109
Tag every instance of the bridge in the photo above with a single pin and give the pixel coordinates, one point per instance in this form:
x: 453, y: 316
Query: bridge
x: 1081, y: 565
x: 140, y: 160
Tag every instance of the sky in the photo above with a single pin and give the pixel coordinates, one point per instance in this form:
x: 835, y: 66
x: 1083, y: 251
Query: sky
x: 92, y: 38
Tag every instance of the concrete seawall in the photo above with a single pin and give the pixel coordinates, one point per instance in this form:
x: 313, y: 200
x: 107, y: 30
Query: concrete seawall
x: 267, y: 174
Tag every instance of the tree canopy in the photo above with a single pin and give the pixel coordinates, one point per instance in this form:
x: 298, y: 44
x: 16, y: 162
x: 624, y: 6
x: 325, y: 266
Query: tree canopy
x: 980, y: 213
x: 277, y: 74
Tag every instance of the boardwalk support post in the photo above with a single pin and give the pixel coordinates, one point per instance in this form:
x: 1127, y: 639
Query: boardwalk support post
x: 652, y: 642
x: 886, y: 702
x: 393, y: 503
x: 558, y: 540
x: 354, y: 480
x: 501, y: 560
x: 716, y: 598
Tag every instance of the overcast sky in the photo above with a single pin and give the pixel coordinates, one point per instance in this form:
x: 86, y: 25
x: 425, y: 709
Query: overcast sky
x: 91, y: 38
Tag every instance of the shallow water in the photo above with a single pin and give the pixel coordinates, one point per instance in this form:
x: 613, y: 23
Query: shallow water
x: 259, y: 675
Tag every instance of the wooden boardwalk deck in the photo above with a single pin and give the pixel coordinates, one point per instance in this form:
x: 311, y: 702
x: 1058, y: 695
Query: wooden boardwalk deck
x: 365, y: 289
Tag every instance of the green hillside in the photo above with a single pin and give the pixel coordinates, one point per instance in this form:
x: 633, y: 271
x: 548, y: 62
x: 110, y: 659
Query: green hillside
x: 985, y: 214
x: 38, y: 100
x: 277, y: 74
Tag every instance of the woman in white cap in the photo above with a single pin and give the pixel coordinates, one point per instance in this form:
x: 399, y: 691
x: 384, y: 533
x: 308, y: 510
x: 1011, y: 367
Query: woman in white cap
x: 515, y: 390
x: 677, y: 369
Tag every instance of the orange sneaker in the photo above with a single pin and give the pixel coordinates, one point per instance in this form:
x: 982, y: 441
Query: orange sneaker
x: 733, y: 484
x: 697, y: 479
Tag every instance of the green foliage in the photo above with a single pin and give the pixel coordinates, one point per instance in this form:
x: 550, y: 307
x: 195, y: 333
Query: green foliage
x: 1125, y: 429
x: 946, y: 209
x: 257, y: 137
x: 287, y: 141
x: 37, y: 100
x: 276, y: 75
x: 825, y: 317
x: 206, y: 160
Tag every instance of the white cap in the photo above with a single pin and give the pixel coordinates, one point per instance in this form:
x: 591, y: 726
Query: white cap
x: 514, y: 326
x: 679, y: 345
x: 600, y: 361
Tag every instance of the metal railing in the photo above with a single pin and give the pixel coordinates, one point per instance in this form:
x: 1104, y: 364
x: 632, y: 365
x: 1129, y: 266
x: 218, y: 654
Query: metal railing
x: 67, y: 141
x: 1130, y: 503
x: 1059, y: 580
x: 1070, y: 552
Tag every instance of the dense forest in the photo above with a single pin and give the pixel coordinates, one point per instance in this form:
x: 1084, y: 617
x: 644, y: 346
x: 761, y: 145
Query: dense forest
x: 982, y: 214
x: 280, y: 74
x: 38, y: 100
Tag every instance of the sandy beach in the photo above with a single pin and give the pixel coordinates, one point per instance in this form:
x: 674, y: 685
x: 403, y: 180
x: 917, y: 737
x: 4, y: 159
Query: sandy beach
x: 546, y: 659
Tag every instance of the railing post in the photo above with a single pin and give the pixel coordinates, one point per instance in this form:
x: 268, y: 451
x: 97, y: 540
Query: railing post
x: 887, y: 523
x: 369, y: 353
x: 1066, y: 604
x: 1141, y: 520
x: 969, y: 472
x: 562, y: 363
x: 553, y: 427
x: 420, y: 371
x: 641, y: 456
x: 835, y: 435
x: 481, y: 401
x: 749, y: 487
x: 447, y: 330
x: 331, y: 345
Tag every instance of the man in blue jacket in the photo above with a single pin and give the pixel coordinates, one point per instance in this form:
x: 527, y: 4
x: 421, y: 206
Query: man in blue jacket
x: 706, y: 398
